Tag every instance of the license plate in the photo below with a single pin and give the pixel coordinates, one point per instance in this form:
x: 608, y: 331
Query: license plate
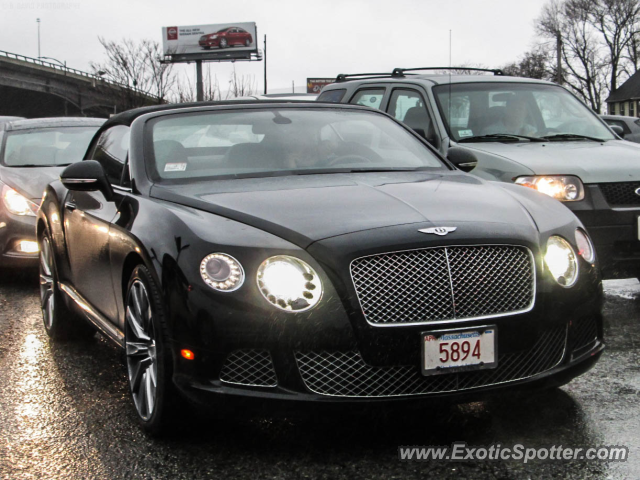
x: 446, y: 351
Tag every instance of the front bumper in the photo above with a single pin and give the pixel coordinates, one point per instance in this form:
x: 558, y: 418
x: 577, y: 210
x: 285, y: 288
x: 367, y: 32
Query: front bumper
x: 13, y: 229
x: 614, y: 232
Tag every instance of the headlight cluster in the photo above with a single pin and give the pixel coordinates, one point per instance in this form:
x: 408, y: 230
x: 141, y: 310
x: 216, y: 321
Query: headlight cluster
x: 289, y: 283
x: 16, y: 203
x: 565, y: 188
x: 222, y: 272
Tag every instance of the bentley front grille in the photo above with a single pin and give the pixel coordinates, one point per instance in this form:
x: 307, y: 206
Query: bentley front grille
x: 584, y: 333
x: 444, y: 283
x: 249, y: 367
x: 621, y: 193
x: 345, y: 374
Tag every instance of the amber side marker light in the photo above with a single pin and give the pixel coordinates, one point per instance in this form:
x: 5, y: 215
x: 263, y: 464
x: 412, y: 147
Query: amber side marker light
x: 188, y: 354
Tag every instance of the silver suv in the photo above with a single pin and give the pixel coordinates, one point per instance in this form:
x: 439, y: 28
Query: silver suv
x: 531, y: 132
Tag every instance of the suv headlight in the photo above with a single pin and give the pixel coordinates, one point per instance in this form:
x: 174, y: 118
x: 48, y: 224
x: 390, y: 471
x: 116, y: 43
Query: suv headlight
x: 289, y: 283
x: 16, y: 203
x: 561, y: 261
x: 222, y: 272
x: 566, y: 188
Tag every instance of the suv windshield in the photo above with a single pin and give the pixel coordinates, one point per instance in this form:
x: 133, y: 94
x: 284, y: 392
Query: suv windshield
x: 46, y: 147
x: 281, y: 141
x: 489, y: 111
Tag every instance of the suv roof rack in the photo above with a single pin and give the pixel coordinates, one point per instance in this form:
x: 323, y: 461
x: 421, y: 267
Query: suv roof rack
x: 400, y: 72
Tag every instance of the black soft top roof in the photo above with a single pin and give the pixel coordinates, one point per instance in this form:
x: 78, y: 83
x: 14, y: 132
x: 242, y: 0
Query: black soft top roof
x: 127, y: 118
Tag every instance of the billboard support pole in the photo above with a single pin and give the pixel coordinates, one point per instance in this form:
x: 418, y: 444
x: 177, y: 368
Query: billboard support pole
x: 199, y: 87
x: 265, y: 64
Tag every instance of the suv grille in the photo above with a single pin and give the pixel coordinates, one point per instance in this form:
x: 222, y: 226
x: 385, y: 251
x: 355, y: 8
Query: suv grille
x: 444, y: 283
x: 346, y: 374
x: 249, y: 367
x: 621, y: 193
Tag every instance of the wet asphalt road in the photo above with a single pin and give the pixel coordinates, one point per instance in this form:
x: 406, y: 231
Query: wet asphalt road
x: 65, y: 413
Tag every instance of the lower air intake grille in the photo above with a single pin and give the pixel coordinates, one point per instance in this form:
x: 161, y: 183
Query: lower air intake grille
x: 444, y: 283
x: 249, y: 367
x: 621, y: 193
x: 345, y: 374
x: 584, y: 333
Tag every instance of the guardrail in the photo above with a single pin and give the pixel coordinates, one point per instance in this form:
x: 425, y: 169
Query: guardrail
x: 55, y: 66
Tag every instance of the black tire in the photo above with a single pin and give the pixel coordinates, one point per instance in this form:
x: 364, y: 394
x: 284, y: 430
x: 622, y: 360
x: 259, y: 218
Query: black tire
x: 147, y: 354
x: 60, y: 322
x: 223, y: 43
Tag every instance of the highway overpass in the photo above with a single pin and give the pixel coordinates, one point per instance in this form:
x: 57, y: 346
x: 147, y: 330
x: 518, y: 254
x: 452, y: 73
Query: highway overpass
x: 31, y: 88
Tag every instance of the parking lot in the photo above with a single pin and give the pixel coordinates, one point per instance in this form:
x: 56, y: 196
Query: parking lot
x: 65, y: 412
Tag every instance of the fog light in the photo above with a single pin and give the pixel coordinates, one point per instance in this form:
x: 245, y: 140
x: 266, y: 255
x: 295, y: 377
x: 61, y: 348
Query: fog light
x: 27, y: 246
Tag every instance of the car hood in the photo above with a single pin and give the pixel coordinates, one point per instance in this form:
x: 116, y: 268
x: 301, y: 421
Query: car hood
x: 305, y: 209
x: 31, y: 181
x: 593, y: 162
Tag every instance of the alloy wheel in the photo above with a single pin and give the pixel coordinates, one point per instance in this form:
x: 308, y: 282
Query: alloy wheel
x: 142, y: 363
x: 47, y: 295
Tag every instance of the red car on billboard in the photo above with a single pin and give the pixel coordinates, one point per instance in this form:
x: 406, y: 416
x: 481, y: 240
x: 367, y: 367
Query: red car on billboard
x: 227, y: 37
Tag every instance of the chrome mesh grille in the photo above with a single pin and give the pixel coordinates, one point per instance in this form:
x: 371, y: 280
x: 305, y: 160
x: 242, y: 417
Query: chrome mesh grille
x: 584, y: 333
x: 249, y: 367
x: 444, y: 283
x: 620, y: 193
x: 346, y: 374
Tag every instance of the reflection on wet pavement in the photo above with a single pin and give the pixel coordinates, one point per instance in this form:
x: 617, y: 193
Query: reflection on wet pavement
x: 65, y: 413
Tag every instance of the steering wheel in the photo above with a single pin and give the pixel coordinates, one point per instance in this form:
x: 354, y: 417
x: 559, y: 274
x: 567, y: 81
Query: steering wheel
x: 349, y: 158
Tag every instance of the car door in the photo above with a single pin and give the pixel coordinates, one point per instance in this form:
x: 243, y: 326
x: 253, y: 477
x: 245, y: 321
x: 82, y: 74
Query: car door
x: 87, y: 219
x: 408, y: 106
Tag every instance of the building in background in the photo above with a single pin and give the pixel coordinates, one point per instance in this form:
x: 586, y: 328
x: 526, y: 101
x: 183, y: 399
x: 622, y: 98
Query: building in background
x: 625, y: 100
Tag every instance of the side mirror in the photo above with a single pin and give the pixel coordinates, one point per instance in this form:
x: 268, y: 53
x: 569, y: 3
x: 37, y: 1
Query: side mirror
x: 463, y: 158
x: 618, y: 130
x: 86, y: 176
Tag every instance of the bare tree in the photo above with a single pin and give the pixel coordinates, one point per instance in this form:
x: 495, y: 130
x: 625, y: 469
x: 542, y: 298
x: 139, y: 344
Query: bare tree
x: 618, y: 22
x: 241, y: 86
x: 137, y: 66
x: 533, y: 64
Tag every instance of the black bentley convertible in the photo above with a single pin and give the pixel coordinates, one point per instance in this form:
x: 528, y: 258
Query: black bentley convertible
x: 310, y: 252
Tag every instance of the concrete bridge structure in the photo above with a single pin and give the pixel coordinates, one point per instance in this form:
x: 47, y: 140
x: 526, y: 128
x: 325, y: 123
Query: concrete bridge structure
x: 31, y: 88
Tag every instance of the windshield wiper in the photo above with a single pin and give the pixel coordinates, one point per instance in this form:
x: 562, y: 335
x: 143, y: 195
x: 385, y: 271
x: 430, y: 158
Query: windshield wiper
x: 322, y: 171
x: 499, y: 136
x: 572, y: 136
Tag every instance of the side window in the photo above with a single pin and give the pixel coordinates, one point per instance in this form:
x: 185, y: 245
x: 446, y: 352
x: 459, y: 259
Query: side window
x: 332, y: 96
x: 111, y: 152
x: 371, y: 97
x: 621, y: 124
x: 409, y: 107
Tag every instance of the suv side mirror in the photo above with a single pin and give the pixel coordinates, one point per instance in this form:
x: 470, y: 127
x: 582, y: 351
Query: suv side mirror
x: 463, y: 158
x: 86, y: 176
x: 618, y: 130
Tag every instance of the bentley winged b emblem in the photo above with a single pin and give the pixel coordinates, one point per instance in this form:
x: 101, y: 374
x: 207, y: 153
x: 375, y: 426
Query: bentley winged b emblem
x: 438, y: 230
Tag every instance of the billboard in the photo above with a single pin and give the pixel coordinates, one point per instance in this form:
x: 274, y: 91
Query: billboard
x: 315, y: 85
x: 204, y: 41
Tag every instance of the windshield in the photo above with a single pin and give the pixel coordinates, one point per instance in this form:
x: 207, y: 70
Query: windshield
x: 474, y: 110
x: 282, y: 141
x: 46, y: 147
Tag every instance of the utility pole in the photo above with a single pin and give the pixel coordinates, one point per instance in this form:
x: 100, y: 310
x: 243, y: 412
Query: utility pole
x: 38, y: 22
x: 199, y: 86
x: 293, y: 88
x: 559, y: 80
x: 265, y: 64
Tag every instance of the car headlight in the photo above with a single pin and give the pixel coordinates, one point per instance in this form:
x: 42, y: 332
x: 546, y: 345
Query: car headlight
x: 566, y: 188
x: 289, y: 283
x: 222, y: 272
x: 214, y: 37
x: 16, y: 203
x: 561, y: 261
x: 585, y: 247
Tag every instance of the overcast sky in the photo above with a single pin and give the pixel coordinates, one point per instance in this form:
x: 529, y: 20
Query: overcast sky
x: 305, y: 38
